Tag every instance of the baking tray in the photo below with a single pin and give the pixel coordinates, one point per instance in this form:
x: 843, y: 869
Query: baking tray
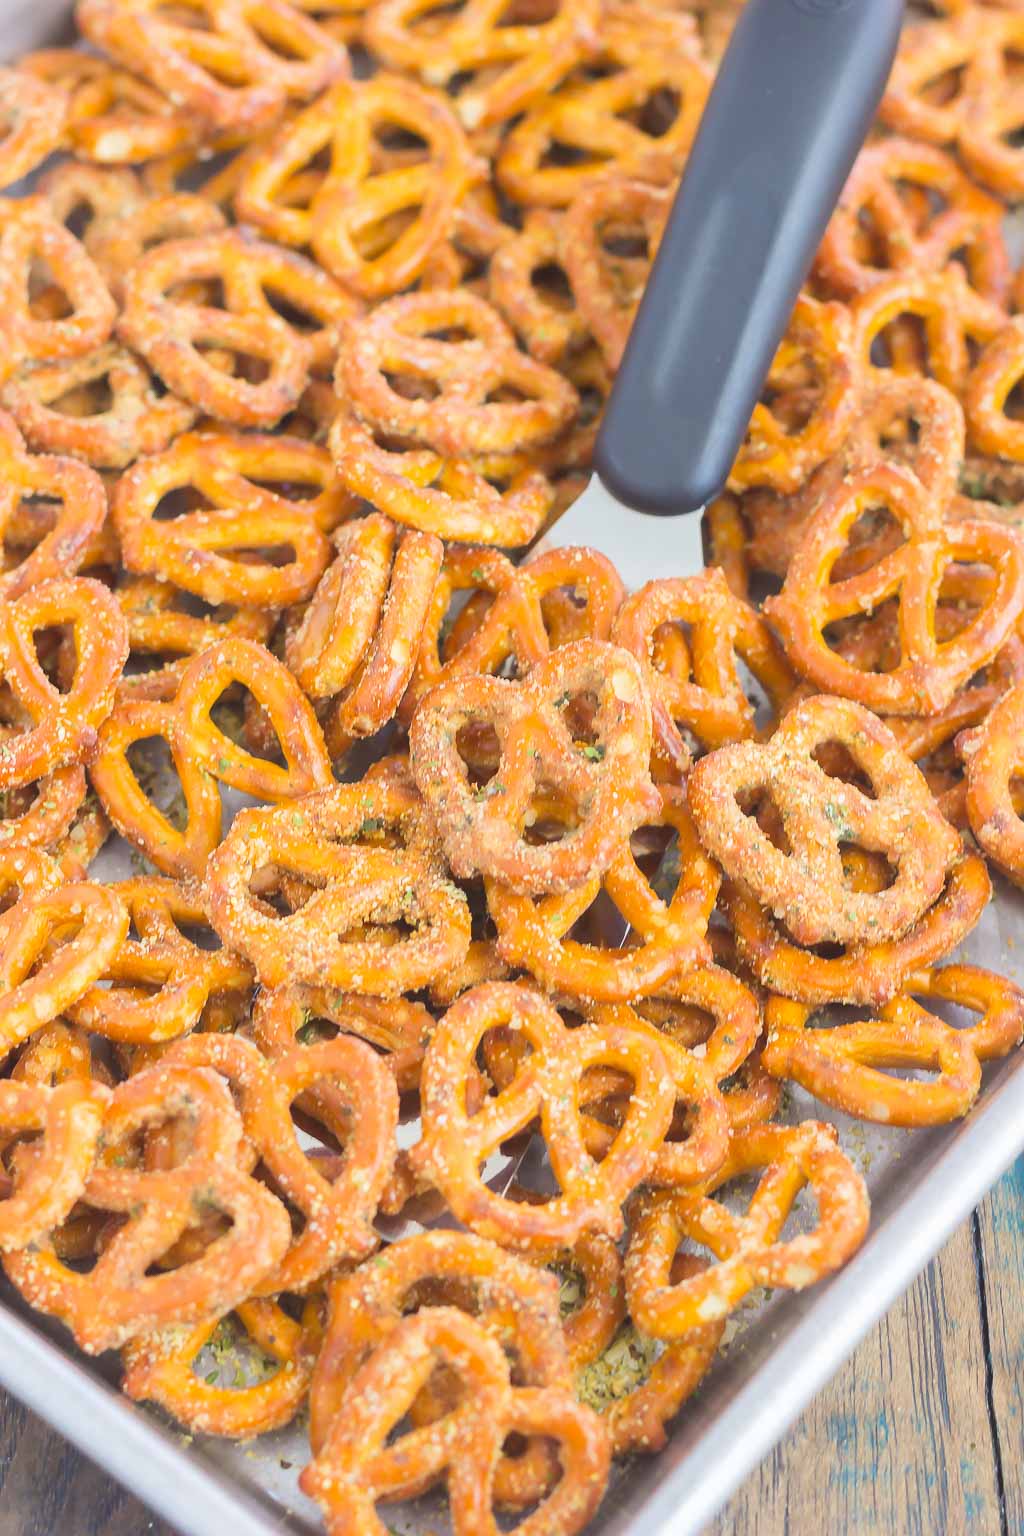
x: 778, y: 1351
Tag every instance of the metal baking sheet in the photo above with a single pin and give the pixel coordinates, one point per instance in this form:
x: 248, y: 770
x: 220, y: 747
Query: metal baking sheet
x: 779, y: 1351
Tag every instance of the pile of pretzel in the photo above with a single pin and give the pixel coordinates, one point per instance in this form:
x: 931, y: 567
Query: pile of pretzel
x: 307, y: 322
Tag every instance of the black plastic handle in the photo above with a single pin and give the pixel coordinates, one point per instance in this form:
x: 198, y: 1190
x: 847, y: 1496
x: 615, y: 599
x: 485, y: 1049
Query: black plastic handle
x: 794, y: 98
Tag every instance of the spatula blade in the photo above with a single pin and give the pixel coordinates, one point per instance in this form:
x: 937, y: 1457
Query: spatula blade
x: 640, y: 547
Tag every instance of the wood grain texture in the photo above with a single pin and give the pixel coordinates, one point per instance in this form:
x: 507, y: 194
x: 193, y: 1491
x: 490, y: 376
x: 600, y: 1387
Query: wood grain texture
x: 922, y: 1433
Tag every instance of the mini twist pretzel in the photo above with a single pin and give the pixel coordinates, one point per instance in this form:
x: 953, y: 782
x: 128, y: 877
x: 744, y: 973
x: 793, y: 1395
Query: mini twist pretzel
x: 877, y: 229
x: 494, y: 500
x: 63, y: 723
x: 172, y: 333
x: 359, y: 1102
x: 396, y: 339
x: 818, y: 354
x: 37, y: 985
x: 455, y: 1142
x: 227, y: 474
x: 32, y: 239
x: 546, y: 319
x: 608, y: 287
x: 118, y: 240
x: 137, y: 421
x: 993, y: 759
x: 41, y: 815
x: 509, y: 1297
x: 929, y: 670
x: 160, y: 1368
x: 993, y: 380
x: 67, y: 1119
x: 844, y: 1065
x: 805, y: 886
x: 118, y: 1299
x: 505, y: 66
x: 357, y: 1465
x: 32, y: 117
x: 78, y: 495
x: 111, y: 115
x: 598, y: 118
x: 162, y: 630
x: 666, y: 937
x: 349, y: 206
x: 367, y: 853
x: 605, y: 783
x: 952, y: 315
x: 161, y: 982
x: 865, y: 973
x: 285, y: 1017
x: 695, y: 686
x: 750, y: 1248
x: 218, y: 57
x: 358, y: 641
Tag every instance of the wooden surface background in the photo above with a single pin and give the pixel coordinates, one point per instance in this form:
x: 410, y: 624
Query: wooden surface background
x: 922, y: 1434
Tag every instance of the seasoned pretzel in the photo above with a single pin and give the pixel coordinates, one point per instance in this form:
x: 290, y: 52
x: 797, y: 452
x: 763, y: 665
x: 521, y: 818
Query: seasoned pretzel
x: 998, y: 371
x: 356, y: 1465
x: 31, y: 239
x: 345, y: 213
x: 455, y: 1142
x: 667, y: 937
x: 879, y: 228
x: 929, y: 670
x: 541, y: 313
x: 951, y: 315
x: 368, y: 854
x: 750, y: 1249
x: 608, y: 287
x: 111, y: 116
x: 288, y: 1016
x: 118, y: 1299
x: 32, y: 117
x: 395, y: 340
x: 163, y: 630
x: 865, y: 973
x: 67, y: 1120
x: 686, y: 633
x: 160, y: 1368
x: 209, y: 550
x: 992, y: 761
x: 62, y: 722
x: 844, y: 1065
x: 78, y: 499
x: 604, y: 782
x: 218, y: 57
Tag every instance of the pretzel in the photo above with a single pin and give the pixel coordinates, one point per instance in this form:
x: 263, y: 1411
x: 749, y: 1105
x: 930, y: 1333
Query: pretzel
x: 40, y: 815
x: 395, y: 340
x: 817, y: 364
x: 31, y: 239
x: 32, y: 119
x: 286, y: 1017
x: 879, y: 229
x: 930, y: 53
x: 598, y: 118
x: 844, y: 1065
x: 344, y: 214
x: 160, y: 1368
x: 166, y: 634
x: 357, y: 1100
x: 67, y: 1119
x: 62, y: 723
x: 161, y: 982
x: 341, y: 842
x: 110, y: 115
x: 356, y: 1465
x: 992, y: 381
x: 992, y: 760
x: 495, y: 500
x: 929, y: 670
x: 358, y: 640
x: 218, y: 59
x: 228, y: 474
x: 750, y: 1249
x: 541, y: 313
x: 91, y: 921
x: 80, y: 510
x: 119, y: 1299
x: 667, y: 937
x: 455, y: 1142
x: 603, y: 783
x: 865, y: 973
x: 686, y: 633
x: 952, y: 316
x: 511, y: 1299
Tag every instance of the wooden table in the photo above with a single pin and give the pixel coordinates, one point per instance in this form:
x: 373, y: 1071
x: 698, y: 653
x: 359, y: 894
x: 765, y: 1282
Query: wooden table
x: 922, y: 1434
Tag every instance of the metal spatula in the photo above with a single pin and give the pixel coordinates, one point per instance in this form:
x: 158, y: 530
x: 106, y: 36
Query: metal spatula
x: 793, y: 101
